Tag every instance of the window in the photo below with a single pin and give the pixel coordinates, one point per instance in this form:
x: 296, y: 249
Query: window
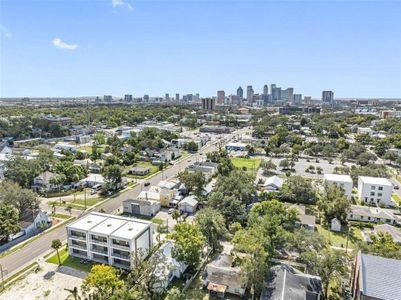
x: 380, y: 188
x: 379, y: 194
x: 372, y: 193
x: 372, y: 187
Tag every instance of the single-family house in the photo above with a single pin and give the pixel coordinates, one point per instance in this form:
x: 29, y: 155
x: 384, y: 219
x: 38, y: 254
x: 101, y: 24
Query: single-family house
x: 42, y: 182
x: 164, y: 196
x: 221, y: 276
x: 286, y: 282
x: 32, y: 222
x: 168, y: 267
x: 93, y: 179
x: 140, y: 171
x: 371, y: 214
x: 188, y: 204
x: 65, y: 147
x: 375, y: 278
x: 342, y: 181
x: 273, y: 183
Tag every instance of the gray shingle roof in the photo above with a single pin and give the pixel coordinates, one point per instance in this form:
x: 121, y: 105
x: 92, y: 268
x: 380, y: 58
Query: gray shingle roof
x: 380, y: 277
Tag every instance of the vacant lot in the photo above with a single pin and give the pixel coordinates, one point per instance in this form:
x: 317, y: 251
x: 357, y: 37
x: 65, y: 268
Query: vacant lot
x: 251, y: 164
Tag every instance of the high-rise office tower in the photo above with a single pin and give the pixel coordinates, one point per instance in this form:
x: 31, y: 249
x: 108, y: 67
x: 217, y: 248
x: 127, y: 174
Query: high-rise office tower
x: 275, y: 92
x: 240, y: 92
x: 327, y: 97
x: 265, y: 90
x: 290, y: 94
x: 177, y: 97
x: 221, y: 96
x: 167, y: 97
x: 146, y: 98
x: 297, y: 98
x: 208, y: 104
x: 249, y: 94
x: 128, y: 98
x: 107, y: 98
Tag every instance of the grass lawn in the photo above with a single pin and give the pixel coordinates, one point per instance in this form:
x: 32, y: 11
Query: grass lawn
x: 69, y: 261
x: 251, y: 164
x: 89, y: 201
x: 61, y: 216
x: 88, y: 149
x: 339, y: 239
x: 397, y: 199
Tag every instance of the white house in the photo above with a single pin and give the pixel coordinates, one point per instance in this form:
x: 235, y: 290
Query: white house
x: 273, y: 183
x: 375, y: 190
x: 32, y: 222
x: 65, y: 147
x: 42, y: 182
x: 372, y: 214
x: 366, y: 130
x: 169, y: 268
x: 188, y: 204
x: 93, y: 179
x: 235, y: 146
x: 110, y: 239
x: 343, y: 181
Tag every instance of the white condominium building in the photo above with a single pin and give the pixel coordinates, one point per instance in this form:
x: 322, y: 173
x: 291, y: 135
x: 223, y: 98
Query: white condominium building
x: 109, y: 239
x: 375, y: 190
x: 343, y: 181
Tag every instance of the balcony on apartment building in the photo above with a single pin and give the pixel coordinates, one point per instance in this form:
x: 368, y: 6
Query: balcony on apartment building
x: 77, y: 235
x: 100, y: 258
x: 99, y: 239
x: 78, y: 244
x: 79, y: 253
x: 120, y: 244
x: 99, y: 249
x: 121, y: 264
x: 121, y: 254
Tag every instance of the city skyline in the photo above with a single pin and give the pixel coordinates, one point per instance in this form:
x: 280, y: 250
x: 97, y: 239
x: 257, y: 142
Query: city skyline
x: 53, y: 49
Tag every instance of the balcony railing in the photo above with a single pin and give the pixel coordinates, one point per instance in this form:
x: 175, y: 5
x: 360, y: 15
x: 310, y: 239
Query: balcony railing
x: 101, y: 251
x: 99, y: 241
x: 120, y: 246
x: 79, y: 255
x: 72, y: 245
x: 122, y: 256
x: 100, y: 260
x: 78, y: 237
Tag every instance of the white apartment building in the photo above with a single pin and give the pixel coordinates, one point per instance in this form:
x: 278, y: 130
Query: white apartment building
x: 109, y: 239
x: 343, y: 181
x: 375, y: 190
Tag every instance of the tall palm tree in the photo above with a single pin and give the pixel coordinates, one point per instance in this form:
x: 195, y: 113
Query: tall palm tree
x: 56, y: 244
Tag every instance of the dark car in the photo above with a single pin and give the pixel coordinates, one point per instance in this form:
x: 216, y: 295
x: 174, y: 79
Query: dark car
x: 146, y: 183
x: 396, y: 187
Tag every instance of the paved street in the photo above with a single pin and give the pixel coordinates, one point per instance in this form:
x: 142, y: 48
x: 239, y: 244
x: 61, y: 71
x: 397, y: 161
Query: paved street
x: 17, y: 260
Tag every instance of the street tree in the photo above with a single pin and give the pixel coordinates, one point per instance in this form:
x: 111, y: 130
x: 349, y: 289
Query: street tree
x: 56, y: 245
x: 9, y: 218
x: 212, y: 225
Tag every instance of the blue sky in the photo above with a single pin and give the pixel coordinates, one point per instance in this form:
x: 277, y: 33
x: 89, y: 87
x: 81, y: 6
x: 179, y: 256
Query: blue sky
x: 86, y: 47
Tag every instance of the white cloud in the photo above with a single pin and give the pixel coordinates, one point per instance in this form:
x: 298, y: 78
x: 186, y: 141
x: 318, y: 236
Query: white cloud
x: 117, y: 3
x: 58, y: 43
x: 4, y: 31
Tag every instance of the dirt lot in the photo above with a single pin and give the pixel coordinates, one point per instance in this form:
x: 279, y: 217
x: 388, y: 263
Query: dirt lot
x: 48, y: 283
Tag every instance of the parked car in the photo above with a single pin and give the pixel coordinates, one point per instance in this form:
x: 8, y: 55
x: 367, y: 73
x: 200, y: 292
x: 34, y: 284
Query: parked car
x: 147, y: 183
x: 396, y: 187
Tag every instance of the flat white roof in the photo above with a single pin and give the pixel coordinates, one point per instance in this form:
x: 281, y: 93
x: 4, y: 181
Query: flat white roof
x: 149, y: 195
x: 114, y: 226
x: 338, y: 178
x: 108, y: 226
x: 87, y: 222
x: 375, y: 180
x: 131, y: 229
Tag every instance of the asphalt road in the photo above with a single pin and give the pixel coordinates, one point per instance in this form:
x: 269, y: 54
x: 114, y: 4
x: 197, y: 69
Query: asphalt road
x: 36, y: 249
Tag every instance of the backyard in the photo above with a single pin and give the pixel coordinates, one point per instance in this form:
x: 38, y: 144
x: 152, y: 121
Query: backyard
x: 339, y: 239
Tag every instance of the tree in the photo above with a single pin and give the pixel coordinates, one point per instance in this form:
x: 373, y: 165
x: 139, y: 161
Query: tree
x: 328, y: 264
x: 175, y: 294
x: 20, y: 198
x: 189, y: 242
x: 212, y: 225
x: 272, y: 220
x: 284, y: 164
x: 102, y: 282
x: 267, y: 166
x: 194, y: 182
x: 382, y: 245
x: 191, y: 146
x: 225, y: 166
x: 56, y: 245
x: 8, y: 221
x: 22, y: 171
x: 332, y: 203
x: 365, y: 158
x: 113, y: 175
x: 231, y: 194
x: 297, y: 189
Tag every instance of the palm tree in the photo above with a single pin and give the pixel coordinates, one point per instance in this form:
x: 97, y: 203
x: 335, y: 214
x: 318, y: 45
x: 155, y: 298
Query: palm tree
x: 56, y: 244
x: 73, y: 293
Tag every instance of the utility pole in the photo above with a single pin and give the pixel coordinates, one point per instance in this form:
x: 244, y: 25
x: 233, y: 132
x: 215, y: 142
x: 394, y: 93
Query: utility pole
x: 2, y: 272
x: 85, y: 198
